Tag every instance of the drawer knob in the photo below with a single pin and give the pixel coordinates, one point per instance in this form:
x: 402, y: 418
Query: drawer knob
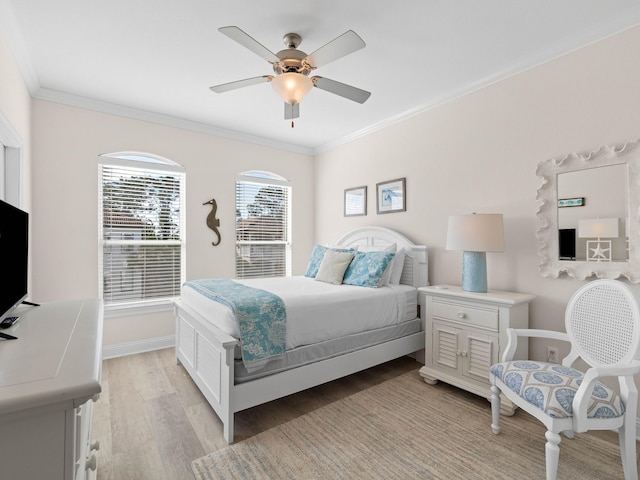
x: 461, y: 315
x: 92, y: 462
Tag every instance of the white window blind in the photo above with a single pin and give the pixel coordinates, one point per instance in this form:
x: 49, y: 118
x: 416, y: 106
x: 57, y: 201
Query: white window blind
x: 263, y: 230
x: 141, y: 234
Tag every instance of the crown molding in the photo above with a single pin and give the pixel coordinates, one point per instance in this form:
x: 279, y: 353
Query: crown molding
x: 17, y: 46
x: 167, y: 120
x: 535, y: 59
x: 9, y: 136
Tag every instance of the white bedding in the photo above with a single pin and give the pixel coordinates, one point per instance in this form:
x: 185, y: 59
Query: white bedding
x: 318, y: 311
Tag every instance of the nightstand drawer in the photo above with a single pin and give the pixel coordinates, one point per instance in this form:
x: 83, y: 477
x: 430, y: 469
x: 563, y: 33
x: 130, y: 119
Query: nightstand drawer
x: 467, y: 314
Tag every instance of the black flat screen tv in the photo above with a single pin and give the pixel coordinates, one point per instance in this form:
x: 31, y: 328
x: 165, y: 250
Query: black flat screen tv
x: 14, y: 248
x: 567, y: 243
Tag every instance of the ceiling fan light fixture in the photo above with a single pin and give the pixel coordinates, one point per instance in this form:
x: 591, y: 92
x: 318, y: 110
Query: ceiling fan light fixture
x: 292, y: 87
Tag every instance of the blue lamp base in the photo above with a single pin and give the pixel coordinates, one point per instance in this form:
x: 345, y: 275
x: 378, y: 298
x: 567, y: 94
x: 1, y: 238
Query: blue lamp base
x: 474, y: 272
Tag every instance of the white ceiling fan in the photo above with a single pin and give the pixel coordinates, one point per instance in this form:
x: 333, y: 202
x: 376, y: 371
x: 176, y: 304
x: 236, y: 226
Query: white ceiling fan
x: 292, y: 68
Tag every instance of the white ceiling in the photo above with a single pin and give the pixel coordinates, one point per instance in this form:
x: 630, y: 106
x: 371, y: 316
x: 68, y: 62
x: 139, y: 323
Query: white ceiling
x: 155, y: 59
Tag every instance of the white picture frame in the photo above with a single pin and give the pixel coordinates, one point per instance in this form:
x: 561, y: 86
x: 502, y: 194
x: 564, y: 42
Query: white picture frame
x: 355, y: 201
x: 391, y: 196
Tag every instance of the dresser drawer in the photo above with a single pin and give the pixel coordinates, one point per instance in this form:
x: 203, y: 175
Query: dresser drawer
x: 473, y: 315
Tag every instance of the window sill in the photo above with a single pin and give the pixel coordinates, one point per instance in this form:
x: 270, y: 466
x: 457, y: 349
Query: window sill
x: 137, y: 308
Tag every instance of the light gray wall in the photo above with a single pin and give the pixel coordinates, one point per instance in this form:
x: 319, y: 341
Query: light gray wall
x: 59, y: 150
x: 479, y: 154
x: 67, y: 143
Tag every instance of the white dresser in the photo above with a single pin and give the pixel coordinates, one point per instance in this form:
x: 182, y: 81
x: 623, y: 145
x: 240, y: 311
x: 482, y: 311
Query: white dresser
x: 466, y: 334
x: 49, y: 379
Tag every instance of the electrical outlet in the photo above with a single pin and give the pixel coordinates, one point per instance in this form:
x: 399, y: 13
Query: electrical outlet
x: 552, y: 354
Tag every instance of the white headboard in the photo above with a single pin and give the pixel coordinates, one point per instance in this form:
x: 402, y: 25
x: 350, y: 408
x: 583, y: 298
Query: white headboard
x: 416, y: 262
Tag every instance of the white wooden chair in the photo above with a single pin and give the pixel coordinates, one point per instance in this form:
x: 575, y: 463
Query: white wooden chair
x: 602, y: 321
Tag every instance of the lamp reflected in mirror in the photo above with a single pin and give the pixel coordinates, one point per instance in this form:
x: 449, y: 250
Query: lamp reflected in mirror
x: 599, y: 199
x: 594, y: 230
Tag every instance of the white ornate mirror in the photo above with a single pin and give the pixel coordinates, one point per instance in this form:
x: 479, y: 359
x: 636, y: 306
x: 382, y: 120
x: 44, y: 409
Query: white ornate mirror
x: 588, y: 215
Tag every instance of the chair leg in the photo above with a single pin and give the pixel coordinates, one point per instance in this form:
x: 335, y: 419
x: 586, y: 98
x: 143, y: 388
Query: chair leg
x: 627, y: 439
x: 495, y: 409
x: 552, y: 453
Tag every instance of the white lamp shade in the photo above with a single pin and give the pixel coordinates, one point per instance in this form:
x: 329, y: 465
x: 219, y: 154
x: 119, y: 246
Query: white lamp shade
x: 477, y: 232
x: 598, y: 228
x: 292, y: 87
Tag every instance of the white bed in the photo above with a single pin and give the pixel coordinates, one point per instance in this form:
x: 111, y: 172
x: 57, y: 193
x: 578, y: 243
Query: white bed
x: 208, y: 349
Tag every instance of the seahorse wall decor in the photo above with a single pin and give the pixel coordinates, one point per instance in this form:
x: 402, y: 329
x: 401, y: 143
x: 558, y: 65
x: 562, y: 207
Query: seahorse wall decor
x: 212, y: 222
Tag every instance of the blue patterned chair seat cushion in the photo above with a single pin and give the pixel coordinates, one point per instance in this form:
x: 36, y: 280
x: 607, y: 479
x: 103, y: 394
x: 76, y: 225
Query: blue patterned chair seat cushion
x: 552, y: 387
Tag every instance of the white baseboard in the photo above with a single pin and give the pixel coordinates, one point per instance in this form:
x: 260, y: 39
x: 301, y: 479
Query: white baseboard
x: 130, y: 348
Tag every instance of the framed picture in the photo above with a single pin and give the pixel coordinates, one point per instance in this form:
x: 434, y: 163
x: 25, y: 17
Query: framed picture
x: 355, y: 201
x: 571, y: 202
x: 391, y: 196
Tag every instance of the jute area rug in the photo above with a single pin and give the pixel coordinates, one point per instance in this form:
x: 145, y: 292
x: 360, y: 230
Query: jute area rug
x: 405, y: 429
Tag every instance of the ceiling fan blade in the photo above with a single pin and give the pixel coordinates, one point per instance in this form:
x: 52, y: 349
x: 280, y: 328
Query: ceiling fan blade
x: 291, y: 111
x: 234, y: 33
x: 345, y: 44
x: 225, y: 87
x: 342, y: 89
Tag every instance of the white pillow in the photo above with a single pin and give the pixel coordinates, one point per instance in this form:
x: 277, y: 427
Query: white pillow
x: 333, y: 266
x: 397, y: 266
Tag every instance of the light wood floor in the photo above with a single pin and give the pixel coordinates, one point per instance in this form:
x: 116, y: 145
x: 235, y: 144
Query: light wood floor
x: 152, y: 421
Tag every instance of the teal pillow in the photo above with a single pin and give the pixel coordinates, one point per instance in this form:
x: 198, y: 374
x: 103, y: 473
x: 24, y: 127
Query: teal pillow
x: 314, y: 262
x: 316, y: 259
x: 366, y: 269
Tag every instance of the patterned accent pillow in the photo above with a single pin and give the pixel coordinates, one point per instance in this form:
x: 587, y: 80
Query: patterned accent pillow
x: 316, y: 259
x: 366, y: 269
x: 392, y: 247
x: 552, y: 388
x: 314, y: 262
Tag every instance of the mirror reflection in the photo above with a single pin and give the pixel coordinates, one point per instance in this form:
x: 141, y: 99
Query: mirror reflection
x: 593, y: 214
x: 589, y: 206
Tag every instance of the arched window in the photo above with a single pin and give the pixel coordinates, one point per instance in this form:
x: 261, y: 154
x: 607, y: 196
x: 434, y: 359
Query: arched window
x: 263, y: 225
x: 141, y: 234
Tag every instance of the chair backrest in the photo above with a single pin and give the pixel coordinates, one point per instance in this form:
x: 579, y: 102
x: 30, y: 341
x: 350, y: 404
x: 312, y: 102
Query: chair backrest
x: 603, y: 321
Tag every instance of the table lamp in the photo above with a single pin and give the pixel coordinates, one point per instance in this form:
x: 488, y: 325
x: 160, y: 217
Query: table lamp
x: 475, y: 234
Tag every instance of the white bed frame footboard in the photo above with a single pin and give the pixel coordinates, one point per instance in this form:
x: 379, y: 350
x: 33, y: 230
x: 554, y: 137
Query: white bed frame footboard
x: 207, y: 353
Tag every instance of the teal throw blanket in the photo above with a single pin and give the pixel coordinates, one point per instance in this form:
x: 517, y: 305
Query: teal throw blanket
x: 260, y: 316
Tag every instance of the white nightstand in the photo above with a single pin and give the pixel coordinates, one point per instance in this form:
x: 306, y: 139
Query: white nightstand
x: 466, y: 334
